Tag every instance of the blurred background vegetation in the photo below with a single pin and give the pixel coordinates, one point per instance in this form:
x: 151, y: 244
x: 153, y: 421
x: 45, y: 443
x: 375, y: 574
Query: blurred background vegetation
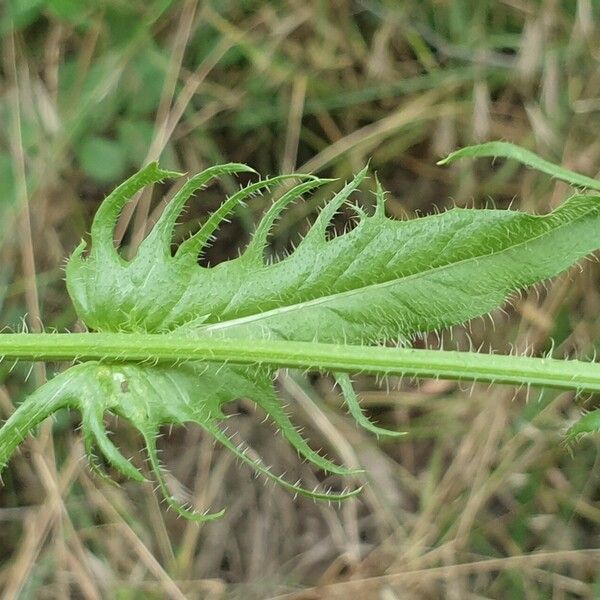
x: 480, y: 499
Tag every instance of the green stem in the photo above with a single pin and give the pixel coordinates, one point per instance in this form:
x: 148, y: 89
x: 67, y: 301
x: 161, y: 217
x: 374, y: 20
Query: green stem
x: 468, y: 366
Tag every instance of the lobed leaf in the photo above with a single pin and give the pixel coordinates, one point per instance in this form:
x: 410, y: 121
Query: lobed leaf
x: 385, y: 280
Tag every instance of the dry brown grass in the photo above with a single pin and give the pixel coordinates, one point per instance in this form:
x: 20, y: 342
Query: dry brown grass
x: 480, y: 499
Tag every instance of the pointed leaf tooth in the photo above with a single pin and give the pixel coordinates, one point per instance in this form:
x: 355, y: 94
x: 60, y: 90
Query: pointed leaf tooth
x: 360, y: 212
x: 259, y: 466
x: 271, y: 404
x: 343, y: 380
x: 319, y: 228
x: 180, y: 509
x: 162, y: 233
x: 57, y: 393
x: 255, y: 250
x: 108, y: 213
x: 587, y: 424
x: 380, y: 198
x: 196, y: 243
x: 89, y: 441
x: 93, y: 423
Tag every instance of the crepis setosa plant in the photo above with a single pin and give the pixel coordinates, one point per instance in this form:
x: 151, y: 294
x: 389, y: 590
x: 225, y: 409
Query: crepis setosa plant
x: 385, y: 280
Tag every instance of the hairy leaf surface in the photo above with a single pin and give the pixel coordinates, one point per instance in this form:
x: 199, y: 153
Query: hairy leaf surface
x: 385, y: 280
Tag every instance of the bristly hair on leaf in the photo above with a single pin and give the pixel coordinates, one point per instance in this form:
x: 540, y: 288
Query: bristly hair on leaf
x: 383, y: 281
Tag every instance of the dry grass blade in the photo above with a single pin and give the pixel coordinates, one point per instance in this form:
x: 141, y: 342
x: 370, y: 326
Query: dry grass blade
x: 479, y: 499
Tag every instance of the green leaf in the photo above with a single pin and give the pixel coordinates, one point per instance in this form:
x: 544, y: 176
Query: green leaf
x: 385, y: 280
x: 103, y: 159
x: 586, y: 424
x: 71, y: 11
x: 144, y: 84
x: 135, y: 137
x: 508, y: 150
